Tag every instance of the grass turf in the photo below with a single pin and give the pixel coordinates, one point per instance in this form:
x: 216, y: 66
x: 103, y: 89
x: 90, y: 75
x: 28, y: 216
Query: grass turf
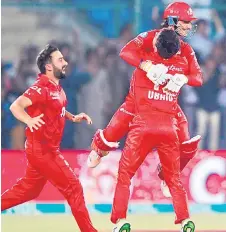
x: 66, y: 223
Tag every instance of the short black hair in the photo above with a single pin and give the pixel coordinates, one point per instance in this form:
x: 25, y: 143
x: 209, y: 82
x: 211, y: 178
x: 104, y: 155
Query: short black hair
x: 168, y: 43
x: 44, y: 57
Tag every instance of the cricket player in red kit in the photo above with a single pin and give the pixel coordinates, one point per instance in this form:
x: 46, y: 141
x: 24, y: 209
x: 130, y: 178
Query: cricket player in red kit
x: 153, y: 126
x: 179, y: 17
x: 45, y: 103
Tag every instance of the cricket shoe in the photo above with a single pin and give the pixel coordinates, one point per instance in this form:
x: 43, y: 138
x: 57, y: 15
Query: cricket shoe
x: 165, y: 189
x: 187, y: 226
x: 93, y: 159
x: 122, y: 226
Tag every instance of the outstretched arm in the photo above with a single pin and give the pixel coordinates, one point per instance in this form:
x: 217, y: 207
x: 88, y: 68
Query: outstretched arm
x: 78, y: 117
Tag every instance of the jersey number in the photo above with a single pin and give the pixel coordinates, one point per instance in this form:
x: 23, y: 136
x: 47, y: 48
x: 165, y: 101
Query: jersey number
x: 36, y: 88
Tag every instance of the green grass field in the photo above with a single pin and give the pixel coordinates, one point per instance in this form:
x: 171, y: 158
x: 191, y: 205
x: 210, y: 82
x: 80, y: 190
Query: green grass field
x: 66, y: 223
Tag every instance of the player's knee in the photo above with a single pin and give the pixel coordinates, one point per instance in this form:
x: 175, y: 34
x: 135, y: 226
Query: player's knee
x: 30, y: 190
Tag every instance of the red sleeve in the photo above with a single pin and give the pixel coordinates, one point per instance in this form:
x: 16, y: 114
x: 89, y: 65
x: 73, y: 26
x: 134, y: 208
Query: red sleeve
x: 195, y: 75
x: 133, y: 51
x: 37, y: 94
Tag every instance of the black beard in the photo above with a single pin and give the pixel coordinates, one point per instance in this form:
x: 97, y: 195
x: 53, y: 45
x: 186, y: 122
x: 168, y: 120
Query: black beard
x: 58, y: 73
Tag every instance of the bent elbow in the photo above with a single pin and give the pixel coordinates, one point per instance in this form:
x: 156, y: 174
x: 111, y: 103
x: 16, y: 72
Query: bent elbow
x: 12, y: 107
x: 200, y: 83
x: 195, y: 80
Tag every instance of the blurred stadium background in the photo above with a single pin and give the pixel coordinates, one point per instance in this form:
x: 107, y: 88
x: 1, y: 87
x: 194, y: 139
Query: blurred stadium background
x: 90, y: 34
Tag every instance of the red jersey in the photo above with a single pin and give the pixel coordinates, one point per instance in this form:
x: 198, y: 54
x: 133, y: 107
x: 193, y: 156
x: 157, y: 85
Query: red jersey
x: 134, y: 53
x: 50, y: 99
x: 150, y: 98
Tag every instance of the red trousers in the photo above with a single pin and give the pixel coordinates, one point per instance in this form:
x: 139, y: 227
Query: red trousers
x: 119, y: 127
x: 141, y: 139
x: 45, y: 164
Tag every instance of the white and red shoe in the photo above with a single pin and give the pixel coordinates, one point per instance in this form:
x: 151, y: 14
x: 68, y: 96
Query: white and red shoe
x: 93, y: 159
x: 100, y: 148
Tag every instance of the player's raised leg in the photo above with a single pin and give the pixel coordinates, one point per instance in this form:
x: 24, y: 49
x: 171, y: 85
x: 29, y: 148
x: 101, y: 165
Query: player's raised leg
x: 107, y: 140
x: 26, y: 189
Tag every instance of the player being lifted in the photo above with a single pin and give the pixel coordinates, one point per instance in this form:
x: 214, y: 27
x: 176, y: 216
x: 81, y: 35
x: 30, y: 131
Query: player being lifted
x: 177, y: 16
x: 43, y: 108
x: 153, y: 101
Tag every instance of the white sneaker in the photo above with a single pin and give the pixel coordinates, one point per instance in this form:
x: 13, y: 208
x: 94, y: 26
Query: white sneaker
x: 187, y: 226
x: 93, y: 159
x: 122, y: 226
x: 165, y: 189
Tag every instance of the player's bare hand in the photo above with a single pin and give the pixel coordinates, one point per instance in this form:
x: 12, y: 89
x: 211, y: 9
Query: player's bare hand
x: 80, y: 117
x: 35, y: 123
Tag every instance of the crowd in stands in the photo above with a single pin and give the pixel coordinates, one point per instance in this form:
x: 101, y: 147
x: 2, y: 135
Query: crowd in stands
x: 98, y: 81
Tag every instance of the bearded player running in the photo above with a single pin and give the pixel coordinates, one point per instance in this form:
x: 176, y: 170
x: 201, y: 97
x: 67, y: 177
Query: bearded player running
x: 178, y: 16
x: 43, y: 108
